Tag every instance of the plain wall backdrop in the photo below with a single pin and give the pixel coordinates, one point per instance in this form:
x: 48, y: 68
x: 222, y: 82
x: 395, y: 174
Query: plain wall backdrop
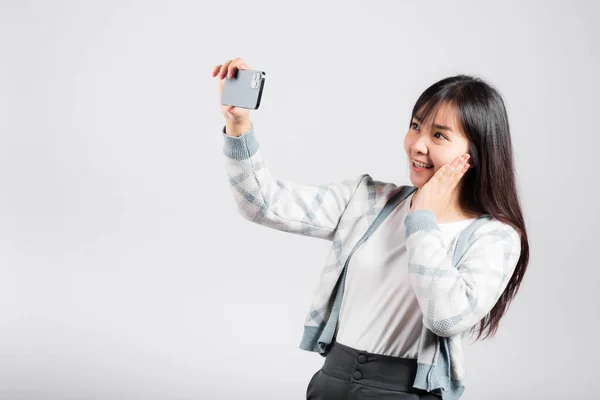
x: 126, y: 272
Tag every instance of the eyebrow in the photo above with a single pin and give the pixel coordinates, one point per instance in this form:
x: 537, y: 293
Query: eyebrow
x: 443, y: 127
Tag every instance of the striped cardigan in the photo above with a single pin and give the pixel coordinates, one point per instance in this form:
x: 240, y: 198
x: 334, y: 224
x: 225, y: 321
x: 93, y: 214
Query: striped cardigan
x: 455, y: 287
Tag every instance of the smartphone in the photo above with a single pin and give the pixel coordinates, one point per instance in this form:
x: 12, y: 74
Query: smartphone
x: 244, y: 90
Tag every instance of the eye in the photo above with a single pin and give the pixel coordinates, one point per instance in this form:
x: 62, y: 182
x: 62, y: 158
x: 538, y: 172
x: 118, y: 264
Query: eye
x: 414, y: 125
x: 442, y: 136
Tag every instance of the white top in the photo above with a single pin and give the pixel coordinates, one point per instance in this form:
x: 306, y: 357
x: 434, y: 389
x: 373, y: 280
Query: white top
x: 379, y: 311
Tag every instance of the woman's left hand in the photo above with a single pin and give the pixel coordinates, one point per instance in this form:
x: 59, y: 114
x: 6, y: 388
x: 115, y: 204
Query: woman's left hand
x: 436, y: 193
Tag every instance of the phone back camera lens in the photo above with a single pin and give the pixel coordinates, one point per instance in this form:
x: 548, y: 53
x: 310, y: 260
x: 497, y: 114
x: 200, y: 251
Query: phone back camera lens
x: 255, y: 81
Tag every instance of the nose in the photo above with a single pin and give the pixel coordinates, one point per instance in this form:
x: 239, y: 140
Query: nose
x: 420, y: 145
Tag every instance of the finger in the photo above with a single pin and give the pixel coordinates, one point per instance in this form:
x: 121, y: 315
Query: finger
x: 458, y: 176
x: 224, y: 68
x: 459, y: 170
x: 233, y: 67
x: 437, y: 177
x: 454, y: 169
x: 216, y: 70
x: 228, y: 111
x: 448, y: 177
x: 460, y: 166
x: 446, y: 173
x: 240, y: 64
x: 234, y: 113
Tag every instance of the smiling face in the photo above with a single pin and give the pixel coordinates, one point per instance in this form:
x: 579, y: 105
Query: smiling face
x: 437, y: 141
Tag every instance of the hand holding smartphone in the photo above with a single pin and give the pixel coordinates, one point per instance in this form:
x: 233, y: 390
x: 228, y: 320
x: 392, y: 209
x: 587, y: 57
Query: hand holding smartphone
x: 244, y: 90
x: 240, y: 89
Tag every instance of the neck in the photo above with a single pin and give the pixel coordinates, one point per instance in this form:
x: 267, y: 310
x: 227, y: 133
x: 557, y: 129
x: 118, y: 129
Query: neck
x: 454, y: 211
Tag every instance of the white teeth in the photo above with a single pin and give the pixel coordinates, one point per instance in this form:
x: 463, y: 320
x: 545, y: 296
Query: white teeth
x: 421, y: 165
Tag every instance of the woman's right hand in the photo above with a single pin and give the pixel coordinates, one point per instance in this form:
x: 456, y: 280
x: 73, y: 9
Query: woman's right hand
x: 229, y: 69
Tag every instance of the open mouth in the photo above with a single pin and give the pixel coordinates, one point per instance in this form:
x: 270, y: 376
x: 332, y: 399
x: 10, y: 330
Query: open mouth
x: 421, y: 165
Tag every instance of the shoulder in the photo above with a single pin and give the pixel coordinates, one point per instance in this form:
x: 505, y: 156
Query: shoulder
x: 371, y: 195
x: 381, y: 188
x: 382, y: 193
x: 495, y: 231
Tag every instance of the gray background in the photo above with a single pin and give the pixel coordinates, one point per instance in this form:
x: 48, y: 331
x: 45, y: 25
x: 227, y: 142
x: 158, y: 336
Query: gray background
x: 125, y: 270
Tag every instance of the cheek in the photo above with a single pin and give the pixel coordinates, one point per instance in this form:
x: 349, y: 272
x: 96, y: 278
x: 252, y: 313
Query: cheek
x: 440, y: 163
x: 446, y: 158
x: 407, y: 146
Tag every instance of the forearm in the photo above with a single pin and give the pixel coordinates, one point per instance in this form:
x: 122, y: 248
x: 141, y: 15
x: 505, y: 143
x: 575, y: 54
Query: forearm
x: 453, y: 298
x: 312, y: 210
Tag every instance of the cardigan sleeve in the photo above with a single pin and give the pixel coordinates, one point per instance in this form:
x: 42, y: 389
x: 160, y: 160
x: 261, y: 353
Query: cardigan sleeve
x: 454, y: 299
x: 286, y: 206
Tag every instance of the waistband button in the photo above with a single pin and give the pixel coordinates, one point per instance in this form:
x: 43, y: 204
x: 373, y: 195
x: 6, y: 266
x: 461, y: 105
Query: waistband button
x: 362, y: 359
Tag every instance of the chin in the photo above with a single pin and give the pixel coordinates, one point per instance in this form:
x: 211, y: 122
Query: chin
x: 416, y: 184
x: 418, y: 181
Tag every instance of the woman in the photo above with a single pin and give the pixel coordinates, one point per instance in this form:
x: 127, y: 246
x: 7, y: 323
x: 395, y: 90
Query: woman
x: 412, y: 269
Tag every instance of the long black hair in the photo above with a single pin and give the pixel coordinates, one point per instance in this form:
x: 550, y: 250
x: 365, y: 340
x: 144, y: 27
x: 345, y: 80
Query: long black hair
x: 489, y: 186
